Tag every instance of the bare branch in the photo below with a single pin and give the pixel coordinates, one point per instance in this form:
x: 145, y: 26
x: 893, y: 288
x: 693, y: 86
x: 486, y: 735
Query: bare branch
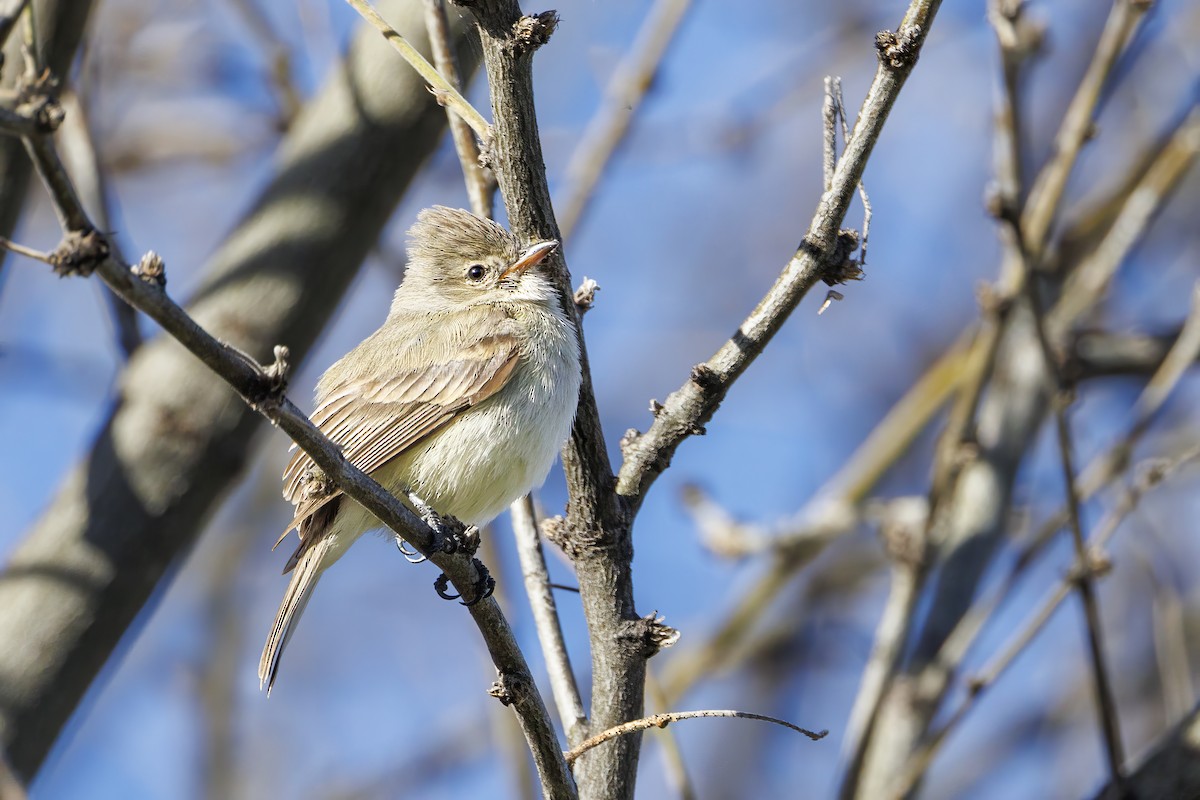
x: 624, y: 94
x: 545, y: 617
x: 480, y: 188
x: 1046, y: 194
x: 446, y: 93
x: 1151, y: 473
x: 820, y: 256
x: 80, y: 146
x: 663, y: 720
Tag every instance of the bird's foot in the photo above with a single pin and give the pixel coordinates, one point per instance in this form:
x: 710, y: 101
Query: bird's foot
x: 451, y: 535
x: 483, y: 586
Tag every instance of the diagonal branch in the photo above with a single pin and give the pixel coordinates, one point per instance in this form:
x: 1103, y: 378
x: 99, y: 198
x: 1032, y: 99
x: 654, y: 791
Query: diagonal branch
x: 822, y: 252
x: 447, y: 92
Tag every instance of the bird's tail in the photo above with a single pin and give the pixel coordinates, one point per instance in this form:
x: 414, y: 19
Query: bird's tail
x: 307, y: 572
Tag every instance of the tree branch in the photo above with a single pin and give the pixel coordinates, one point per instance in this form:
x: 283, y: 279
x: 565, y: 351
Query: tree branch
x: 690, y: 407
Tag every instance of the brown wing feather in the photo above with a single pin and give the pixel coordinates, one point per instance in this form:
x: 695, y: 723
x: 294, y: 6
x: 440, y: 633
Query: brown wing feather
x: 376, y: 420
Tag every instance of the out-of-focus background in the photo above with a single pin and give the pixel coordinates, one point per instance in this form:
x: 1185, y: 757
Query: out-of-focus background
x: 382, y: 692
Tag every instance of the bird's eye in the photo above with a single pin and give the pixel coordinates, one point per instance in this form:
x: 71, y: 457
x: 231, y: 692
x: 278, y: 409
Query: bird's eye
x: 475, y: 272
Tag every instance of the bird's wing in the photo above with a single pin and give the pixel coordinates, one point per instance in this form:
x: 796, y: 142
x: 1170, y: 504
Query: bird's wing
x: 375, y: 419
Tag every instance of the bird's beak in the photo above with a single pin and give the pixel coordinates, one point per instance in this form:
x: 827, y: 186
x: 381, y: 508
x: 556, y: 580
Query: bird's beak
x: 532, y: 256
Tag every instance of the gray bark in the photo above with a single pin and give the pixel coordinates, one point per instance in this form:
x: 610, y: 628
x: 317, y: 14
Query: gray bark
x: 60, y: 28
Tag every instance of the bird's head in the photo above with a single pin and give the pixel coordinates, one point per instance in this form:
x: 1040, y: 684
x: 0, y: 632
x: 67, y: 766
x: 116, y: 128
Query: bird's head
x: 456, y: 259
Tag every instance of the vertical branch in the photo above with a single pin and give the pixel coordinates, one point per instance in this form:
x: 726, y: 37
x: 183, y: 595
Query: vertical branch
x: 545, y: 617
x: 1046, y: 194
x: 80, y: 144
x: 596, y: 532
x: 1060, y: 394
x: 987, y: 434
x: 480, y: 189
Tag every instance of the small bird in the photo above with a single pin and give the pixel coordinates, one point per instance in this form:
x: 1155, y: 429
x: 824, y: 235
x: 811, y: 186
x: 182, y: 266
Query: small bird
x: 465, y: 395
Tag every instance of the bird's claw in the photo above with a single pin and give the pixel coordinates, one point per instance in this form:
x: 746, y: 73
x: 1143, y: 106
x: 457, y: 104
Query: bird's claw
x: 411, y: 556
x: 484, y: 585
x: 459, y: 538
x: 452, y: 535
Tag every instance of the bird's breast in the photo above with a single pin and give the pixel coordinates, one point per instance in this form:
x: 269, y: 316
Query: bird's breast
x: 499, y: 450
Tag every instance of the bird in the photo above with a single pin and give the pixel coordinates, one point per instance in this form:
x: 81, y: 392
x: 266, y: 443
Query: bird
x: 464, y: 396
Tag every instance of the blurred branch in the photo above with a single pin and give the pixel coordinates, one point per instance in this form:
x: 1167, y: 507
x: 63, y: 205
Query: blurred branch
x: 446, y: 93
x: 79, y: 143
x: 279, y: 60
x: 630, y: 82
x: 10, y: 12
x: 481, y: 188
x: 1090, y: 279
x: 1076, y: 129
x: 224, y: 623
x: 676, y: 770
x: 1061, y: 397
x: 1172, y: 769
x: 1100, y: 472
x: 1101, y: 354
x: 831, y: 511
x: 988, y: 433
x: 176, y: 438
x: 1149, y: 474
x: 10, y: 785
x: 1106, y: 467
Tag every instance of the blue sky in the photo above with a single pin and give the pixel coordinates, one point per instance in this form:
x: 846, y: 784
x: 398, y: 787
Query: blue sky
x: 693, y: 220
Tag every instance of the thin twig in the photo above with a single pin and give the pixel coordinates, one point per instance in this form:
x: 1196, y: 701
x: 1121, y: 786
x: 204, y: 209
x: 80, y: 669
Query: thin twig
x: 1153, y: 472
x: 1060, y: 398
x: 689, y: 408
x: 446, y: 93
x: 624, y: 94
x: 1009, y: 160
x: 481, y: 190
x: 28, y: 252
x: 545, y: 617
x: 842, y: 117
x: 77, y: 136
x: 663, y: 720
